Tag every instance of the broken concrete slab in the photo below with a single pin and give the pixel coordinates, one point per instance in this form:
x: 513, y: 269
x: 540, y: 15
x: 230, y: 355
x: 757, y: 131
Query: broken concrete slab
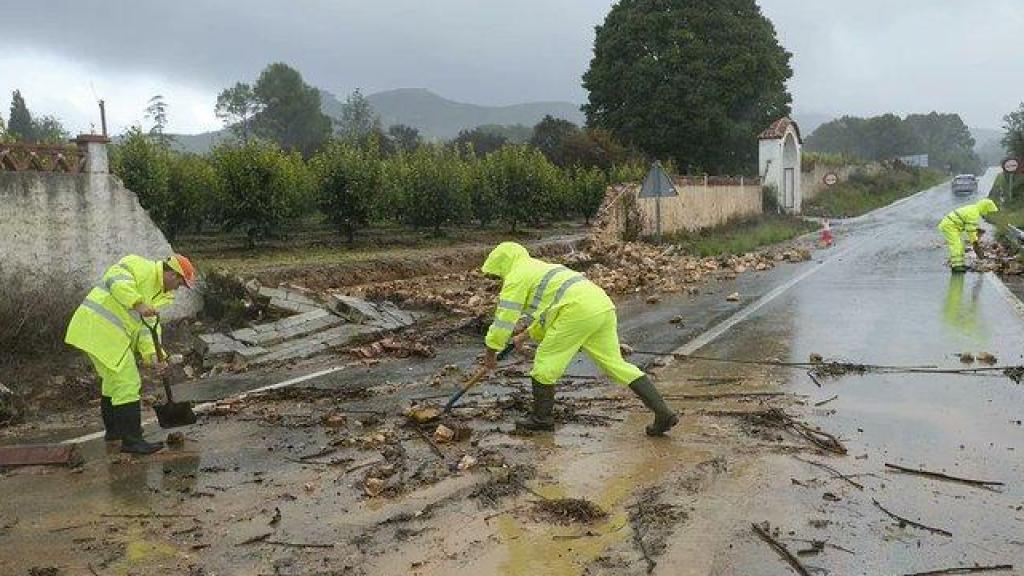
x: 314, y: 344
x: 289, y: 328
x: 386, y: 315
x: 288, y: 300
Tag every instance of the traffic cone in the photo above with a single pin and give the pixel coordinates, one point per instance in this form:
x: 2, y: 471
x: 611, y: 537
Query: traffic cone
x: 826, y: 236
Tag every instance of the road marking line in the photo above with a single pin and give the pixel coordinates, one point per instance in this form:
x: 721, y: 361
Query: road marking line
x: 1006, y: 293
x: 206, y: 406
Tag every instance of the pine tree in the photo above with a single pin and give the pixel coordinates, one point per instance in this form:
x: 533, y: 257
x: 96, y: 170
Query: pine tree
x: 20, y: 125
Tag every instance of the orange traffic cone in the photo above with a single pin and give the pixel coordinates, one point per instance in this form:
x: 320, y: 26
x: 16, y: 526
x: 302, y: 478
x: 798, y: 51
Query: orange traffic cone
x: 826, y: 236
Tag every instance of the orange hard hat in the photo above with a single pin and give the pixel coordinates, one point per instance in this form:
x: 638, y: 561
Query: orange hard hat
x: 183, y: 266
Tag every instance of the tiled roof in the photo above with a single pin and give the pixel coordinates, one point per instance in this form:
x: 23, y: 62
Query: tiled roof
x: 778, y: 129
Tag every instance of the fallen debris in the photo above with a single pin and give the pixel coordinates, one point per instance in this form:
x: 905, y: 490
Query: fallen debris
x: 393, y: 348
x: 907, y: 522
x: 443, y: 434
x: 941, y: 476
x: 734, y: 297
x: 568, y: 510
x: 776, y: 417
x: 40, y: 455
x: 966, y: 358
x: 987, y: 359
x: 965, y: 570
x: 826, y: 401
x: 763, y: 533
x: 836, y: 473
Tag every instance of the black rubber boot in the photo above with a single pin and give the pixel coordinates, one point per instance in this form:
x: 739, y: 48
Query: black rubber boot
x: 958, y: 269
x: 664, y: 418
x: 129, y: 423
x: 111, y: 431
x: 542, y: 418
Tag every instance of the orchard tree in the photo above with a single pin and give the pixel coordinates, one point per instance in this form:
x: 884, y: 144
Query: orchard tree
x: 589, y: 187
x: 144, y: 167
x: 236, y: 107
x: 348, y: 178
x: 290, y: 111
x: 434, y: 181
x: 261, y: 188
x: 49, y: 129
x: 690, y: 80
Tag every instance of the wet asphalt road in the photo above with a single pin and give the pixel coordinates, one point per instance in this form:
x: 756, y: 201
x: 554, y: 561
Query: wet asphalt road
x: 884, y: 297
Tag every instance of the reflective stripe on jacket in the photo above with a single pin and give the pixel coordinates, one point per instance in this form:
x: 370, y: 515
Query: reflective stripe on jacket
x: 965, y: 219
x: 536, y: 290
x: 105, y: 324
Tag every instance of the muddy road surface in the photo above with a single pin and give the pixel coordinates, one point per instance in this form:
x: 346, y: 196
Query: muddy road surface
x: 328, y: 475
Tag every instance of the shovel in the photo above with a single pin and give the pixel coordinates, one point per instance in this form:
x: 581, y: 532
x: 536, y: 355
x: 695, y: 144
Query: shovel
x: 171, y: 414
x: 474, y: 380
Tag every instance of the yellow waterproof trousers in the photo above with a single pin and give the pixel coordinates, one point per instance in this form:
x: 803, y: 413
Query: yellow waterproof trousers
x: 123, y: 385
x: 953, y: 240
x: 596, y: 334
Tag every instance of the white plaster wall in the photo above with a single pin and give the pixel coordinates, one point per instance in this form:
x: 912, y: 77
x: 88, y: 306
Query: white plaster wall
x: 71, y: 227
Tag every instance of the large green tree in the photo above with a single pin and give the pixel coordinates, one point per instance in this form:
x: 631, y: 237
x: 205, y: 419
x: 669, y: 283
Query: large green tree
x: 236, y: 107
x: 1013, y: 123
x: 549, y: 136
x: 290, y: 111
x: 947, y: 140
x: 690, y: 80
x: 19, y: 124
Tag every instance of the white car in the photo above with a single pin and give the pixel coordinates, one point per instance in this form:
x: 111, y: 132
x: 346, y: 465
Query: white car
x: 964, y: 185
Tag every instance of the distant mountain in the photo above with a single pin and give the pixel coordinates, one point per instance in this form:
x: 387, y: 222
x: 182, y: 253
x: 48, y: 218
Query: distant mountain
x: 439, y: 118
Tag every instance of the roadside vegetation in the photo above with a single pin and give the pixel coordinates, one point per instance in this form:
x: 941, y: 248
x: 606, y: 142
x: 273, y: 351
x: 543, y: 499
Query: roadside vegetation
x: 862, y: 193
x: 742, y: 236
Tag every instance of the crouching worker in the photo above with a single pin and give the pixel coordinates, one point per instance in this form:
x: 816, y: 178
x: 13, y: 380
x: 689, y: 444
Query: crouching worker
x: 107, y: 326
x: 565, y: 313
x: 964, y: 220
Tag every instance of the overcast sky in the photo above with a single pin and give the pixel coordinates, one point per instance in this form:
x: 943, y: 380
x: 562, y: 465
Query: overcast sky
x: 850, y: 57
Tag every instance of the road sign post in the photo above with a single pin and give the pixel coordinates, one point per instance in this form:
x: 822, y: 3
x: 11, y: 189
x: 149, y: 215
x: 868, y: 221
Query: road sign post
x: 657, y: 184
x: 1010, y: 167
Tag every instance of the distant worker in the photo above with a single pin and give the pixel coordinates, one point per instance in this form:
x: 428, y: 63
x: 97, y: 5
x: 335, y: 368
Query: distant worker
x: 566, y: 312
x: 107, y: 327
x: 964, y: 219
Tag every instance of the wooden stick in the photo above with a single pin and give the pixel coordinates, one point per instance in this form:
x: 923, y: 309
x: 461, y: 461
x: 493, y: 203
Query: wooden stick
x: 255, y: 539
x: 298, y: 544
x: 968, y: 570
x: 837, y: 473
x: 814, y: 379
x: 429, y: 442
x: 723, y: 395
x: 147, y: 515
x: 941, y: 476
x: 823, y: 402
x: 781, y: 550
x: 906, y: 522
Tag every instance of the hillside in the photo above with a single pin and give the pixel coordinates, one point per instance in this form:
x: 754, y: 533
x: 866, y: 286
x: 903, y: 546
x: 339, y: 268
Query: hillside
x: 437, y: 117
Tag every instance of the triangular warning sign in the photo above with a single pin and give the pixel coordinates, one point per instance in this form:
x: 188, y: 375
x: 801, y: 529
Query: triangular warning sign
x: 657, y: 184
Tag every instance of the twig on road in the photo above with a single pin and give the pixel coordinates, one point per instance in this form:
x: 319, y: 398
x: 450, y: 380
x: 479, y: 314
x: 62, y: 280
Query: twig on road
x: 147, y: 515
x: 837, y: 473
x: 255, y: 539
x: 781, y: 550
x: 966, y: 570
x: 298, y: 544
x: 814, y: 378
x: 946, y: 477
x: 722, y: 395
x: 907, y: 522
x: 826, y: 401
x: 429, y: 441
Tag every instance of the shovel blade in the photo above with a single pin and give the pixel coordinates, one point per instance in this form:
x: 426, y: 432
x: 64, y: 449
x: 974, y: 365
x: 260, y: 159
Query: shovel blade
x: 175, y: 414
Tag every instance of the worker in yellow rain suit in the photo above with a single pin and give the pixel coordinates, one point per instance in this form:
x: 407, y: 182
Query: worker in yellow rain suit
x: 565, y: 313
x: 107, y: 326
x: 964, y: 219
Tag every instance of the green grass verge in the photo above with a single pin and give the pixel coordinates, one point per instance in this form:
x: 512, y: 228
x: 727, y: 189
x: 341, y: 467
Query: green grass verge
x: 1010, y: 211
x: 864, y: 193
x: 741, y: 236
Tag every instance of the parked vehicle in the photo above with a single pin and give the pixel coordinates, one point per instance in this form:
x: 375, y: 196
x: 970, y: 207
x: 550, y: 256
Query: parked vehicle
x: 964, y: 185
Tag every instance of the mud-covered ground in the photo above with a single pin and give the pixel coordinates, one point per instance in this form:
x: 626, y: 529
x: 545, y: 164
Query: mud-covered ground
x: 770, y: 472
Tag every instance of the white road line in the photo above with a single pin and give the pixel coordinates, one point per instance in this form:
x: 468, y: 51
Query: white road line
x: 205, y: 406
x: 1010, y: 297
x: 724, y: 326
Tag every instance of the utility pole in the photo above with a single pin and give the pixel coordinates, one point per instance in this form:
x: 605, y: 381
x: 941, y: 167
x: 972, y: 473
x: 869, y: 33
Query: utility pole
x: 103, y: 118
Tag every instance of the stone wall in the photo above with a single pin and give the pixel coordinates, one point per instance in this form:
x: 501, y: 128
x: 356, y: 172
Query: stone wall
x: 701, y: 203
x: 61, y: 227
x: 813, y: 182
